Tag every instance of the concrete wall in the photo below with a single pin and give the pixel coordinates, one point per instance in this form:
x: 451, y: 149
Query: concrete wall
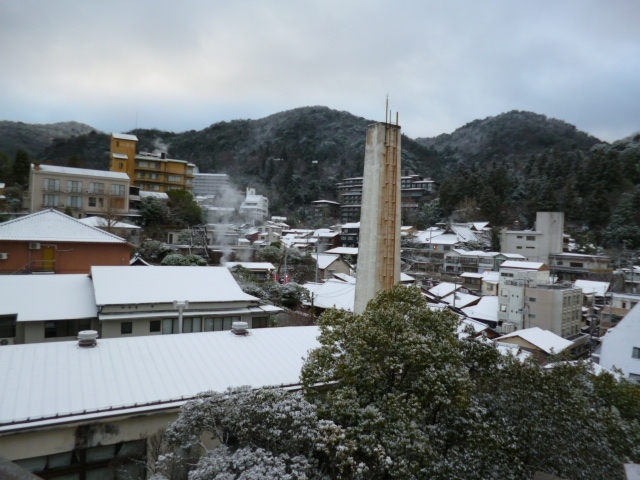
x: 380, y: 222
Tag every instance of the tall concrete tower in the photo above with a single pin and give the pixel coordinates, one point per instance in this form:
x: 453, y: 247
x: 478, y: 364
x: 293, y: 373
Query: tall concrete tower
x: 379, y: 247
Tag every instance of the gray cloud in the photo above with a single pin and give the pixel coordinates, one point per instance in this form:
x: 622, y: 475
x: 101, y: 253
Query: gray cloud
x: 181, y: 66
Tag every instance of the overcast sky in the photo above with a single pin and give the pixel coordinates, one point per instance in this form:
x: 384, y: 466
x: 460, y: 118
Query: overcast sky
x: 182, y: 65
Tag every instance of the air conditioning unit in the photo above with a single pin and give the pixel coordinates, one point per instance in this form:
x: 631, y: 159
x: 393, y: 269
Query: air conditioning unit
x: 34, y: 246
x: 4, y: 256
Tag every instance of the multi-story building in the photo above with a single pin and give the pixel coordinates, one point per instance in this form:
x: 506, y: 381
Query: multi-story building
x: 537, y: 244
x: 557, y: 308
x: 78, y: 191
x: 149, y: 171
x: 210, y: 183
x: 578, y: 265
x: 514, y: 278
x: 414, y: 188
x: 350, y: 234
x: 325, y: 210
x: 255, y: 207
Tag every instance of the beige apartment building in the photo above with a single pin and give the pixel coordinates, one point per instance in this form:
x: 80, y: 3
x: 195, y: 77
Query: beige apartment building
x: 79, y: 191
x: 557, y: 308
x: 149, y: 171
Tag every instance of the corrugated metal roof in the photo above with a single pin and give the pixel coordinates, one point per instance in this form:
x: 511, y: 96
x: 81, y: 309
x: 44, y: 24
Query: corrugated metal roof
x: 47, y: 297
x: 128, y: 285
x: 40, y: 381
x: 53, y: 226
x: 124, y: 136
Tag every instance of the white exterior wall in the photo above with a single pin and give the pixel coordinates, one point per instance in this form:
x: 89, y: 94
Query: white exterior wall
x: 558, y: 310
x: 511, y: 293
x: 380, y: 221
x: 536, y: 245
x: 619, y: 343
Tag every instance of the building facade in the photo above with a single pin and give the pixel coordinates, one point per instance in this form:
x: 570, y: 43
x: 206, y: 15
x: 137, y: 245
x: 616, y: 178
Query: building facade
x: 149, y: 171
x: 536, y: 245
x: 78, y: 191
x: 210, y: 183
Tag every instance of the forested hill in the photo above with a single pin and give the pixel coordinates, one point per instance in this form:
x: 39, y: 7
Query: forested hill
x: 501, y: 168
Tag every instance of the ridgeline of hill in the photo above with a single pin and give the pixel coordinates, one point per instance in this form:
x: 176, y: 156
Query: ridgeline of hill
x: 501, y: 168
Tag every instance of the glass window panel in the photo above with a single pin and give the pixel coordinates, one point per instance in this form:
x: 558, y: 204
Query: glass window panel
x: 208, y: 324
x: 59, y: 460
x: 217, y: 326
x: 167, y: 326
x: 130, y: 449
x: 187, y: 325
x: 104, y: 452
x: 226, y: 324
x: 34, y: 464
x: 104, y: 473
x: 196, y: 324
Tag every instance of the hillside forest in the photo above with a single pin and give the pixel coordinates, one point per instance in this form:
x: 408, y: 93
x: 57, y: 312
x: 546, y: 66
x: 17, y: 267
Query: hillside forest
x: 500, y: 169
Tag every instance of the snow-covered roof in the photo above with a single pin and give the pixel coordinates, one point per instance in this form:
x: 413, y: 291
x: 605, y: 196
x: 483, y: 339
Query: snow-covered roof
x: 485, y: 309
x: 464, y: 232
x: 515, y: 256
x: 443, y: 289
x: 472, y: 275
x: 351, y: 225
x: 332, y: 294
x: 515, y: 265
x: 325, y: 202
x: 158, y: 195
x: 404, y: 278
x: 251, y: 265
x: 542, y: 339
x: 324, y: 260
x: 591, y: 287
x: 459, y: 299
x: 619, y: 342
x: 53, y: 226
x: 39, y: 382
x: 343, y: 250
x: 129, y: 285
x: 513, y: 350
x: 82, y: 171
x: 47, y: 297
x: 100, y: 222
x: 491, y: 277
x: 120, y: 156
x: 124, y: 136
x: 446, y: 239
x: 344, y: 277
x: 477, y: 327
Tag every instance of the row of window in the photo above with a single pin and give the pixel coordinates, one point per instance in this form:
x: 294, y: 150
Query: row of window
x: 194, y: 324
x: 73, y: 201
x: 75, y: 186
x: 530, y: 238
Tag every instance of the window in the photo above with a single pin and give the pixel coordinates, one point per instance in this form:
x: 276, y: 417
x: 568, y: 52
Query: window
x: 503, y: 308
x: 74, y: 202
x: 117, y: 190
x: 8, y: 326
x: 635, y: 353
x: 92, y: 201
x: 531, y: 238
x: 190, y: 325
x: 260, y: 322
x: 121, y: 165
x: 216, y: 324
x: 154, y: 326
x: 97, y: 188
x: 490, y: 287
x: 532, y: 299
x: 174, y: 178
x: 126, y: 327
x: 52, y: 184
x: 530, y: 248
x: 576, y: 264
x: 74, y: 186
x: 519, y: 236
x: 51, y: 200
x: 531, y: 315
x: 519, y: 248
x: 65, y: 328
x: 635, y: 378
x: 169, y: 325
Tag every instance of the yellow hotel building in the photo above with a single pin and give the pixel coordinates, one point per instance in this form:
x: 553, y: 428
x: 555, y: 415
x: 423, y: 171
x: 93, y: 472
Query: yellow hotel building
x: 151, y: 172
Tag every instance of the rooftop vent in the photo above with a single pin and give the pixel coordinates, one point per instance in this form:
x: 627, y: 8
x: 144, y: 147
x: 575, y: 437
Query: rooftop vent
x: 87, y: 338
x: 240, y: 328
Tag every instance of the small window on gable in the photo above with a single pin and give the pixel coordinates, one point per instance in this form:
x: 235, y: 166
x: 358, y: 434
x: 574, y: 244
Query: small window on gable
x: 126, y: 327
x: 635, y: 353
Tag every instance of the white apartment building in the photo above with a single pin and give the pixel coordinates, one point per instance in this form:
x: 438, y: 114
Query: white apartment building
x: 83, y: 191
x: 536, y: 245
x: 255, y: 207
x: 209, y: 183
x: 514, y: 278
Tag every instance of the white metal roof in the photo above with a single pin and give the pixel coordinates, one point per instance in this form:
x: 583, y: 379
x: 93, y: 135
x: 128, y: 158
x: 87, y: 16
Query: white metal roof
x: 459, y: 299
x: 47, y: 297
x: 53, y: 226
x: 130, y: 285
x: 124, y: 136
x: 40, y: 381
x: 523, y: 265
x: 543, y: 339
x: 343, y: 250
x: 443, y: 289
x: 82, y: 171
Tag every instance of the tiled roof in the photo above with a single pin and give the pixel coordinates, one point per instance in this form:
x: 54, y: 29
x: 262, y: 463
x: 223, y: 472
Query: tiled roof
x: 53, y: 226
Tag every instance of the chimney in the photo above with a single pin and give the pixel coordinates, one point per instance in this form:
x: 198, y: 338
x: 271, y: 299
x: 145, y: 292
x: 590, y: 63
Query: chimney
x: 240, y: 328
